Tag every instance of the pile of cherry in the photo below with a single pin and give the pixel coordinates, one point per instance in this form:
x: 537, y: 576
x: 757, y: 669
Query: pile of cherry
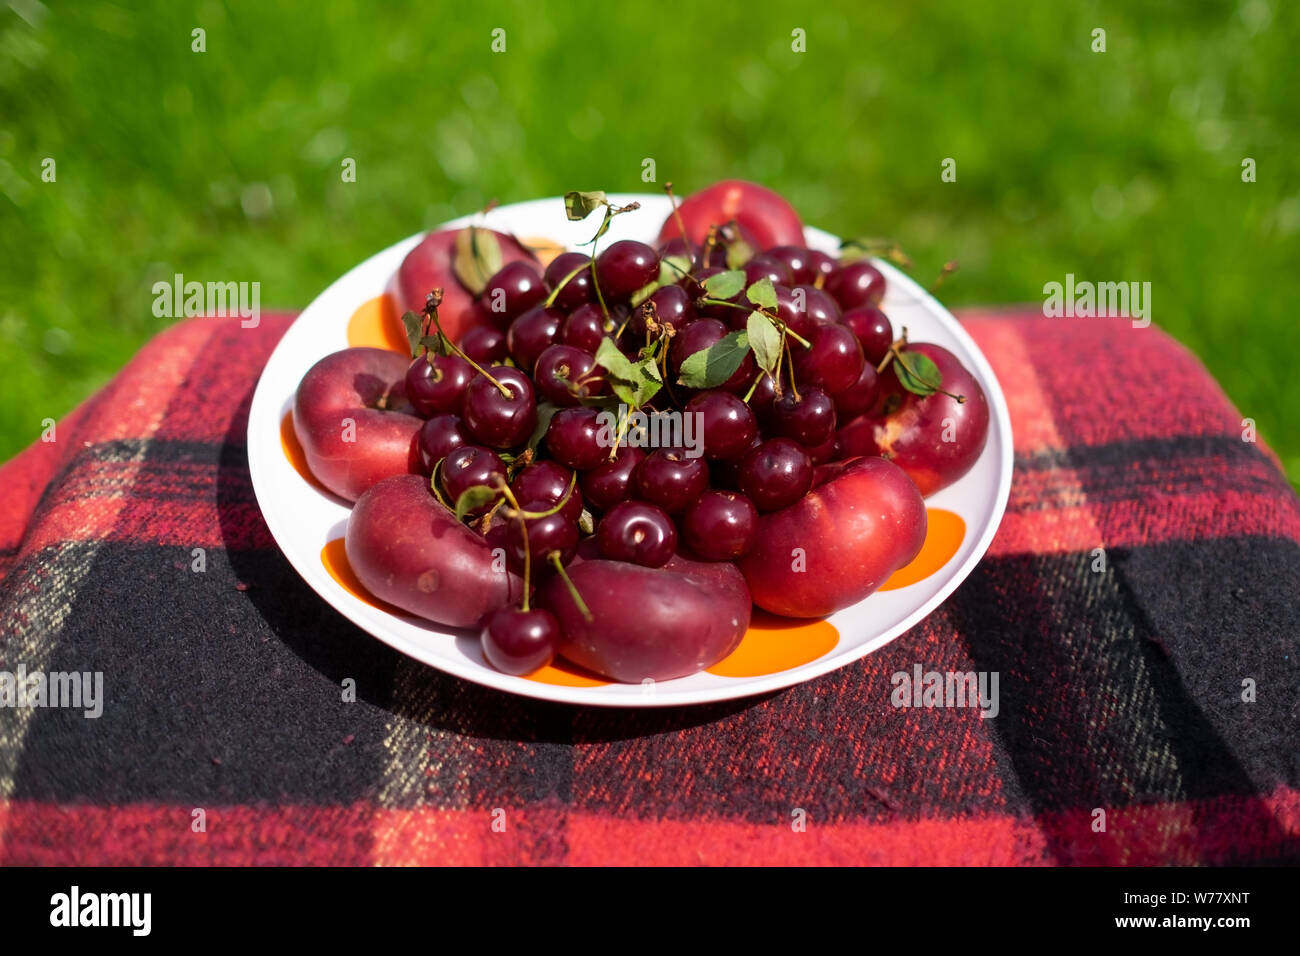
x: 500, y: 473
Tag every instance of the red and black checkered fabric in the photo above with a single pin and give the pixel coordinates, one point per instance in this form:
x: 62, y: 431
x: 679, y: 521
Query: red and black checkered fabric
x: 1120, y: 690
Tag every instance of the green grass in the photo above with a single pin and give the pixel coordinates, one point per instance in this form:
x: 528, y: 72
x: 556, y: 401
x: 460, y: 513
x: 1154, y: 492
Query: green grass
x: 1117, y: 165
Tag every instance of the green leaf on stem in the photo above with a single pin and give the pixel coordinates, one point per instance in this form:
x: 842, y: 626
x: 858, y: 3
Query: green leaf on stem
x: 473, y: 498
x: 414, y: 325
x: 724, y: 285
x: 917, y: 373
x: 673, y: 268
x: 763, y: 294
x: 765, y: 340
x: 709, y: 368
x: 579, y: 205
x: 738, y: 253
x: 476, y: 258
x: 545, y: 412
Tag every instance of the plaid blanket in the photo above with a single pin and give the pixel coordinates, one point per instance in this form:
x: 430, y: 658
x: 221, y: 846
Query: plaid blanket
x: 1147, y: 689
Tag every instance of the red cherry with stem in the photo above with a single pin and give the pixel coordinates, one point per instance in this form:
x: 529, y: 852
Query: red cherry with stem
x: 834, y: 360
x: 808, y: 418
x: 637, y: 532
x: 824, y: 268
x: 515, y: 288
x: 436, y: 383
x: 673, y: 306
x: 727, y: 424
x: 548, y: 482
x: 468, y: 467
x: 763, y: 266
x: 670, y: 479
x: 485, y: 344
x: 776, y: 474
x: 764, y: 395
x: 531, y: 333
x: 550, y: 532
x: 519, y: 642
x: 797, y: 259
x: 500, y: 419
x: 610, y: 482
x: 577, y: 289
x: 720, y: 526
x: 819, y: 305
x: 858, y: 283
x: 439, y: 437
x: 874, y: 331
x: 584, y: 328
x: 574, y: 438
x: 564, y: 375
x: 625, y: 267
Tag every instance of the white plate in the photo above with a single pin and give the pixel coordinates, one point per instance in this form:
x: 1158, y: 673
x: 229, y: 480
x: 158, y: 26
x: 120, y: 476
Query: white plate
x: 303, y: 519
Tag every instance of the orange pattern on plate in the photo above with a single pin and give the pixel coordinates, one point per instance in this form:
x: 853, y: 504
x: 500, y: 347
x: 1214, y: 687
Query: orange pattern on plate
x: 292, y: 449
x: 378, y: 324
x: 944, y: 534
x: 544, y: 249
x: 774, y: 644
x: 334, y: 557
x: 564, y: 674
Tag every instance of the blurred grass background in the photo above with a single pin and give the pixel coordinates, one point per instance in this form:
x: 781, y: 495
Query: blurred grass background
x: 225, y: 165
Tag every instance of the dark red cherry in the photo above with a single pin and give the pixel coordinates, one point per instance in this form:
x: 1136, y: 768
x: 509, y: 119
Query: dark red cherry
x: 496, y: 418
x: 610, y: 482
x: 775, y: 474
x: 858, y: 283
x: 834, y: 361
x: 436, y: 383
x: 577, y: 289
x: 531, y: 333
x: 638, y: 532
x: 720, y: 526
x: 584, y: 328
x: 470, y: 466
x: 515, y: 288
x: 726, y: 423
x: 809, y: 418
x: 519, y: 642
x: 564, y: 375
x: 575, y: 438
x: 485, y: 344
x: 874, y: 331
x: 625, y: 267
x: 548, y: 482
x: 797, y: 259
x: 439, y: 437
x: 671, y: 479
x: 552, y: 532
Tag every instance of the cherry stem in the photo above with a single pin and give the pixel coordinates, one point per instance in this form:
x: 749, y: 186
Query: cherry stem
x: 554, y: 558
x: 550, y: 299
x: 433, y: 485
x: 690, y: 251
x: 517, y: 513
x: 794, y: 389
x: 897, y: 351
x: 775, y: 319
x: 532, y: 515
x: 433, y: 314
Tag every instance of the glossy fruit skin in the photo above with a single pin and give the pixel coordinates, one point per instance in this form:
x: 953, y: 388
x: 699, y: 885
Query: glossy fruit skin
x: 519, y: 642
x: 670, y: 479
x: 860, y: 397
x: 438, y: 438
x: 824, y: 268
x: 584, y: 328
x: 720, y: 525
x: 819, y: 306
x: 656, y: 623
x: 554, y: 532
x: 809, y: 420
x: 558, y: 371
x: 548, y: 482
x: 578, y: 289
x: 610, y: 482
x: 409, y: 550
x: 531, y: 333
x: 436, y: 383
x: 761, y: 213
x: 495, y: 420
x: 429, y: 266
x: 624, y: 267
x: 857, y: 284
x: 775, y: 474
x: 638, y: 532
x: 468, y: 467
x: 764, y: 266
x: 912, y: 435
x: 726, y: 424
x: 798, y: 260
x: 673, y: 306
x: 863, y: 522
x: 513, y: 290
x: 874, y: 331
x: 574, y: 438
x: 485, y: 344
x: 834, y: 361
x: 348, y: 386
